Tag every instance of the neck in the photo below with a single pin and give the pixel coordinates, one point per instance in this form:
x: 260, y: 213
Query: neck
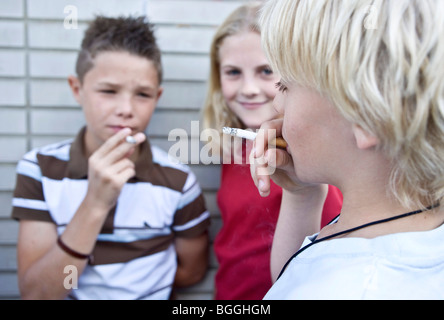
x: 366, y: 199
x: 357, y: 212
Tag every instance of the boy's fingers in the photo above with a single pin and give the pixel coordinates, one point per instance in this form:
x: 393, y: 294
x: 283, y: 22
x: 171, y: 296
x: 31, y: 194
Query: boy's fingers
x: 125, y: 174
x: 139, y: 137
x: 122, y: 148
x: 112, y: 142
x: 258, y: 166
x: 121, y: 165
x: 259, y: 145
x: 136, y: 139
x: 266, y: 136
x: 263, y: 172
x: 264, y: 186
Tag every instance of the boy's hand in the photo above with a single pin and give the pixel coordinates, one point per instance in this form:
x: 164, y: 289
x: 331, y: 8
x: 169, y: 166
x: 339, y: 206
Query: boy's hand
x: 272, y: 163
x: 109, y: 168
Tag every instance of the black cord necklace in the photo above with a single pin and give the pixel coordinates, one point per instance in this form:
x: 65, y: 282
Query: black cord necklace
x: 405, y: 215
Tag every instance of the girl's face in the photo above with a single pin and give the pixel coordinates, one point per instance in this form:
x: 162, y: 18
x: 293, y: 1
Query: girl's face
x: 248, y: 83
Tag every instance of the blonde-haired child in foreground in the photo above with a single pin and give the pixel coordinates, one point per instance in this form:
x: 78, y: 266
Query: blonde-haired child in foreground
x: 364, y: 111
x: 242, y: 87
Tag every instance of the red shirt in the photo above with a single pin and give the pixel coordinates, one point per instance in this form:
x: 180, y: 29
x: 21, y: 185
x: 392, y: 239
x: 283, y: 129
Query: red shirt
x: 243, y: 245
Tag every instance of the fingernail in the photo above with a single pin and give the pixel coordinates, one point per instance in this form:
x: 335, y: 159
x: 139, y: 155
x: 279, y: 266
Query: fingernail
x: 126, y: 130
x: 141, y: 135
x: 261, y: 185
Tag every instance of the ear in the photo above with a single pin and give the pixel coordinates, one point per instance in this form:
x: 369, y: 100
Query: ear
x: 364, y: 140
x: 159, y: 93
x: 75, y: 85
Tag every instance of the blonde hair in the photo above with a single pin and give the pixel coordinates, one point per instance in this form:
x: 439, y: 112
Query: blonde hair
x: 385, y: 76
x: 215, y: 112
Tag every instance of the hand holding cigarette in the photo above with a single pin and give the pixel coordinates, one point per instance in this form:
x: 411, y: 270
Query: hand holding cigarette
x: 109, y: 167
x: 273, y: 163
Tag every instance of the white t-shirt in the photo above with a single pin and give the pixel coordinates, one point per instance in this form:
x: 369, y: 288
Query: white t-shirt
x: 397, y: 266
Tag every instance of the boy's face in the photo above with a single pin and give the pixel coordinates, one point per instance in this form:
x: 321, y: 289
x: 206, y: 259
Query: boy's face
x: 315, y: 131
x: 121, y: 90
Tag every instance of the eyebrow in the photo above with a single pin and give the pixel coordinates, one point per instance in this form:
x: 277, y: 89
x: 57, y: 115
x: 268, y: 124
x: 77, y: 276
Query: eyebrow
x: 228, y: 66
x: 107, y: 83
x: 264, y: 66
x: 146, y: 88
x: 116, y: 85
x: 238, y: 67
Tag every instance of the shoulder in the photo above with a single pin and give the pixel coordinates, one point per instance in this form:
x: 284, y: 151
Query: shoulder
x: 395, y: 266
x: 177, y: 175
x: 31, y: 162
x: 162, y: 158
x: 58, y: 150
x: 29, y: 200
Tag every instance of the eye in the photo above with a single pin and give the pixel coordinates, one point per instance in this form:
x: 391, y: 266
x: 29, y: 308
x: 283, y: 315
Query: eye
x: 231, y: 72
x: 144, y: 95
x: 282, y: 88
x: 108, y: 91
x: 267, y: 71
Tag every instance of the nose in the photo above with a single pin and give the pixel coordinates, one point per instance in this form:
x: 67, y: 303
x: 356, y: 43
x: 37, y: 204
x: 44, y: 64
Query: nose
x: 250, y: 87
x: 124, y: 107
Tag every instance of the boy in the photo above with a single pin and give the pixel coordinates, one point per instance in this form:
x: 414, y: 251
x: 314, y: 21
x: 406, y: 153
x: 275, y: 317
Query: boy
x: 363, y: 110
x: 108, y: 205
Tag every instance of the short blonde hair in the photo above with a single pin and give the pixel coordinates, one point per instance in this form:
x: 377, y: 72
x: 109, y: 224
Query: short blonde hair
x: 216, y: 113
x: 385, y: 76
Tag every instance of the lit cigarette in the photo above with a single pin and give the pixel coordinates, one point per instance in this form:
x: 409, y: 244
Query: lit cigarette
x: 250, y: 135
x: 130, y: 139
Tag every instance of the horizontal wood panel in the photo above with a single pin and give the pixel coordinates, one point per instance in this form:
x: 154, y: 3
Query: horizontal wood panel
x: 176, y: 38
x: 37, y: 53
x: 8, y: 231
x: 5, y: 204
x: 189, y: 12
x: 11, y: 9
x: 85, y: 9
x: 9, y: 286
x: 8, y: 258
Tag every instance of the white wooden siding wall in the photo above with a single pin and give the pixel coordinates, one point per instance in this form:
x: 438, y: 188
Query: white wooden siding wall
x: 36, y: 107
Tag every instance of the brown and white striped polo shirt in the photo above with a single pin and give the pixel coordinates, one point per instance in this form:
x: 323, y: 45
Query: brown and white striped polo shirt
x: 134, y: 257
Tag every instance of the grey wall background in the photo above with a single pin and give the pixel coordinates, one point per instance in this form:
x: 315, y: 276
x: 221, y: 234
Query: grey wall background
x: 38, y: 45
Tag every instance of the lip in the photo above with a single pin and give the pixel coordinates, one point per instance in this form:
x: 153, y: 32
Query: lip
x: 251, y: 105
x: 117, y: 128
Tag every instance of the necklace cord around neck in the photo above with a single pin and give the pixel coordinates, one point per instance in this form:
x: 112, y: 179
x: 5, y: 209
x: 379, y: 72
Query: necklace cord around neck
x: 405, y: 215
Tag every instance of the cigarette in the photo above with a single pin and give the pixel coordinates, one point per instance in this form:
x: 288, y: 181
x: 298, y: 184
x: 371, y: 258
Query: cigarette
x: 131, y: 140
x: 250, y: 135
